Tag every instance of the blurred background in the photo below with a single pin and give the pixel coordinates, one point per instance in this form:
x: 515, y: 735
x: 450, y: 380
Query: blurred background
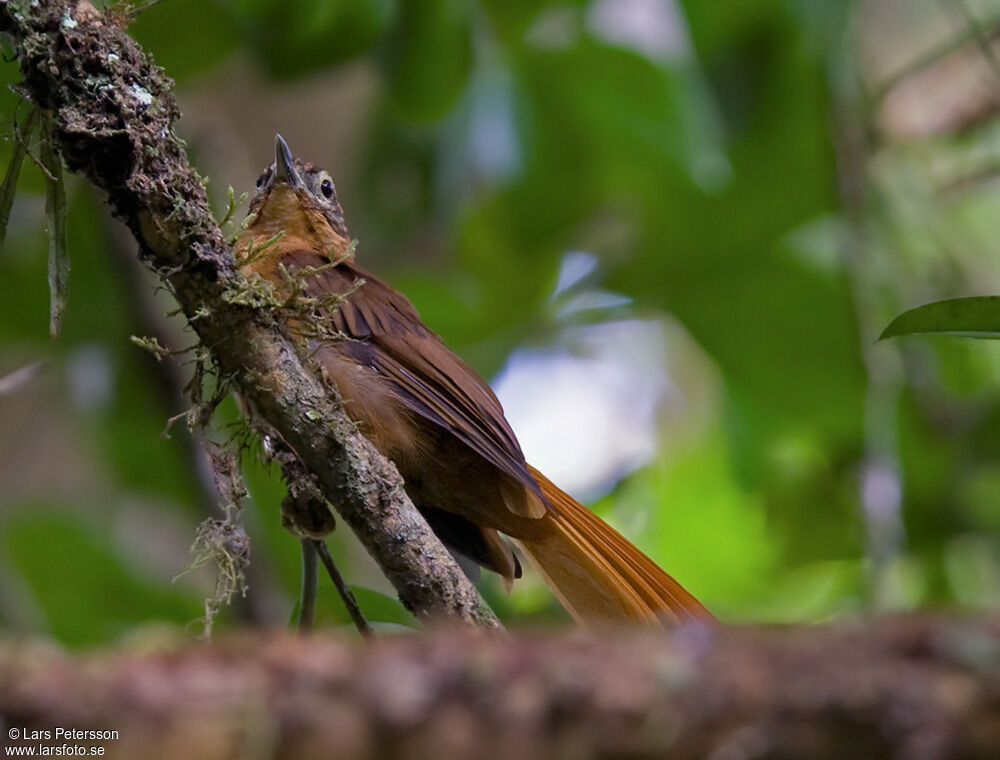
x: 668, y: 231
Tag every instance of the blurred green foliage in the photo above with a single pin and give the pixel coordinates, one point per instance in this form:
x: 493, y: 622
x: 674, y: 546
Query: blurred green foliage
x: 705, y: 169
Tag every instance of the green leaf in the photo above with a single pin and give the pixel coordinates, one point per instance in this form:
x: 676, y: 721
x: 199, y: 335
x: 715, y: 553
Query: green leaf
x: 86, y: 588
x: 428, y: 56
x: 976, y: 317
x: 511, y: 19
x: 187, y: 37
x: 291, y: 38
x: 55, y: 210
x: 673, y: 509
x: 617, y: 110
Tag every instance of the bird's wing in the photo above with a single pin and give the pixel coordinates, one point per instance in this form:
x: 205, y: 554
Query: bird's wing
x: 429, y: 378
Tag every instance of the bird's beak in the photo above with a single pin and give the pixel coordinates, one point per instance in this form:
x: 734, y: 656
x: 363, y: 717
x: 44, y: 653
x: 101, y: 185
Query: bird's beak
x: 284, y: 164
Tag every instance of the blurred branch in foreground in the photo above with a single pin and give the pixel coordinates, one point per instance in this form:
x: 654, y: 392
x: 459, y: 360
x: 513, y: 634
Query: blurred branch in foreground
x: 907, y: 688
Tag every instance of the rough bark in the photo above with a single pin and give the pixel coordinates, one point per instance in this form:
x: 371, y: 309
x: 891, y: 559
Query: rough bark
x: 113, y: 116
x: 909, y: 689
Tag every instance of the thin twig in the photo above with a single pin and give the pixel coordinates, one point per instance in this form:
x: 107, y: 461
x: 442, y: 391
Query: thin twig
x: 928, y: 59
x: 344, y: 590
x: 310, y: 580
x: 8, y: 189
x: 55, y: 211
x: 978, y: 34
x: 142, y: 8
x: 23, y: 140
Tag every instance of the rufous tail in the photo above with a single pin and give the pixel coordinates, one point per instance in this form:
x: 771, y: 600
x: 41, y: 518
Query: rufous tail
x: 597, y: 574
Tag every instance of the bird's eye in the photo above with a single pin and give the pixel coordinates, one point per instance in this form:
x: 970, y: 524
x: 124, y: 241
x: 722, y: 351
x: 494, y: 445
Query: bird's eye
x: 326, y: 187
x: 263, y: 178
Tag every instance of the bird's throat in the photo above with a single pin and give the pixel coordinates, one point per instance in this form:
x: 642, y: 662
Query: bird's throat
x: 286, y: 222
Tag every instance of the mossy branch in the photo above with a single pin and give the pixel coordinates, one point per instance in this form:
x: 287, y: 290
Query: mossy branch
x: 112, y: 115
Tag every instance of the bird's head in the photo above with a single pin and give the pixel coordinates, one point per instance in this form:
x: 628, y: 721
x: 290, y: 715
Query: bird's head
x: 297, y: 202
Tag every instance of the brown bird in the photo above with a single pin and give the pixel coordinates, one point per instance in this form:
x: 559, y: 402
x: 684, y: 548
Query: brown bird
x: 434, y: 417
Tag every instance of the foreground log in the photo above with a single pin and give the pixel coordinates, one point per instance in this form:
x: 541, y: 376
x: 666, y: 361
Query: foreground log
x: 905, y: 688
